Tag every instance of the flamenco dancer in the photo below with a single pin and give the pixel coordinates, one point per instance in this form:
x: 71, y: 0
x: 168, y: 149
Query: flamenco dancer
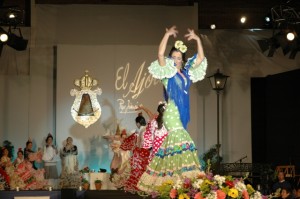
x: 177, y: 156
x: 155, y: 132
x: 127, y: 177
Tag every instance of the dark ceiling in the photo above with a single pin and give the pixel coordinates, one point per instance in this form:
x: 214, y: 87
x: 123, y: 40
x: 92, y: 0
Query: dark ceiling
x: 224, y: 13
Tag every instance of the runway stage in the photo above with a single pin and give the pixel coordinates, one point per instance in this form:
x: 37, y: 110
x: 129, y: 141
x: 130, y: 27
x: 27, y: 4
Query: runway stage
x: 68, y: 194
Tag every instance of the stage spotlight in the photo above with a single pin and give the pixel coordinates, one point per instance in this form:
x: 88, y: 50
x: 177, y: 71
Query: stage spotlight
x: 212, y: 26
x: 290, y: 36
x: 15, y: 41
x: 11, y: 15
x: 267, y: 19
x: 3, y: 35
x: 243, y: 19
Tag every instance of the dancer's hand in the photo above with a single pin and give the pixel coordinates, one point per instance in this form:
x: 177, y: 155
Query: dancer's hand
x: 191, y: 35
x: 172, y: 31
x: 139, y: 107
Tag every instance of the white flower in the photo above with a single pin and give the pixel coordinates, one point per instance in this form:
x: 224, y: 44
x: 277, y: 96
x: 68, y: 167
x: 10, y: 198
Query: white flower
x: 180, y: 46
x: 212, y: 195
x: 219, y: 179
x: 178, y: 43
x: 256, y: 195
x: 178, y: 184
x: 183, y: 48
x: 197, y: 183
x: 240, y: 186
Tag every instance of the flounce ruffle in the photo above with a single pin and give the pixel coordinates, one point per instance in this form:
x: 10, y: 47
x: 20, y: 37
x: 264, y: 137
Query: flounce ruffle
x: 198, y: 72
x: 161, y: 72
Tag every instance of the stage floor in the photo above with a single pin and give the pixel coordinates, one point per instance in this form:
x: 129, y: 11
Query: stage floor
x: 70, y: 194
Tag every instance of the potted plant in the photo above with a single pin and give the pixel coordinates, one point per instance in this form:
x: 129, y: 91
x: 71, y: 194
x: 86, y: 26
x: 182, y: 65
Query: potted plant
x: 98, y: 184
x: 85, y: 184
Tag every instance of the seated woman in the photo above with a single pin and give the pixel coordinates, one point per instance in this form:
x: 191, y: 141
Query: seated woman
x: 30, y: 155
x: 20, y: 157
x: 26, y: 176
x: 5, y: 165
x: 5, y: 159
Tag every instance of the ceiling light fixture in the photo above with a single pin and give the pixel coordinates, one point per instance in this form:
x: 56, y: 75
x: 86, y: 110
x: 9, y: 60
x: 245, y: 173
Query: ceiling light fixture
x: 286, y: 28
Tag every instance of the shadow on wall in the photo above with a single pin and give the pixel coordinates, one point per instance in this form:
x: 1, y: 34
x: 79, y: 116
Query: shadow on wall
x: 95, y: 151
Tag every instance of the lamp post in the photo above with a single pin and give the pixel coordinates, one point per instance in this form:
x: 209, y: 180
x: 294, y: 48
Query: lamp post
x: 218, y: 82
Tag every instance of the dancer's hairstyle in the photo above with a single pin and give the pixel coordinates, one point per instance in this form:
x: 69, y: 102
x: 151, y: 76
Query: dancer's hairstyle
x: 28, y: 141
x: 160, y: 109
x: 49, y: 136
x: 20, y: 150
x: 173, y: 49
x: 140, y: 119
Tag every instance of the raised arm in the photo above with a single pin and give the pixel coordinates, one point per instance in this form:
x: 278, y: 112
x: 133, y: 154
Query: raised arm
x: 163, y: 44
x: 200, y: 53
x: 147, y: 111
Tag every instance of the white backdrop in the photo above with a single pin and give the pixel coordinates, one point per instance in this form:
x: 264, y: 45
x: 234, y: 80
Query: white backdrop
x: 99, y: 38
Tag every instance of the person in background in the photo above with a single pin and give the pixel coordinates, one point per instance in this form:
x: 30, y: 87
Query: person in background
x: 286, y: 193
x: 27, y: 151
x: 281, y: 183
x: 297, y: 193
x: 20, y: 157
x: 70, y: 176
x: 50, y: 158
x: 5, y: 159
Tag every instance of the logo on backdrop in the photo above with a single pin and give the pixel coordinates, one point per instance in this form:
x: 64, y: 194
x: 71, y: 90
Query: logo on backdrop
x: 132, y: 88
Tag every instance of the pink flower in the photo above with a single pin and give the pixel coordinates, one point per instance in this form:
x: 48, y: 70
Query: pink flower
x: 245, y: 194
x: 198, y: 196
x: 221, y: 194
x: 173, y: 193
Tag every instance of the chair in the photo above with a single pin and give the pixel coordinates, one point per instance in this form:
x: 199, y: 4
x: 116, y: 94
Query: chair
x: 288, y: 170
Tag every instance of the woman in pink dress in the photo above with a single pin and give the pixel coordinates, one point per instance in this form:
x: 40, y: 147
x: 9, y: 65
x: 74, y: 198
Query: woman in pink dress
x: 155, y: 131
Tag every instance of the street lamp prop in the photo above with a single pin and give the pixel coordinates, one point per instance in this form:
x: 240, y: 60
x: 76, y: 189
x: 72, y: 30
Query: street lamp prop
x: 218, y: 82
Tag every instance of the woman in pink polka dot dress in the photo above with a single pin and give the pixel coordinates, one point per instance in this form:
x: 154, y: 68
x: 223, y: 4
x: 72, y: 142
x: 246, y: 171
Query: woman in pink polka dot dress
x: 155, y: 131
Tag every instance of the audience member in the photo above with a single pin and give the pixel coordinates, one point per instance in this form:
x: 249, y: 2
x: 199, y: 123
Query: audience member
x: 281, y: 183
x: 286, y: 193
x: 20, y: 157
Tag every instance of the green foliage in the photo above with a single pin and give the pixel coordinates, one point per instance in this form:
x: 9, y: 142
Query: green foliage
x: 211, y: 156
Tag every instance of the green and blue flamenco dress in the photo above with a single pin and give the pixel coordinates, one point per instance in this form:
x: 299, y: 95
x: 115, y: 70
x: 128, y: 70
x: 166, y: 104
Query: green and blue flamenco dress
x: 177, y: 156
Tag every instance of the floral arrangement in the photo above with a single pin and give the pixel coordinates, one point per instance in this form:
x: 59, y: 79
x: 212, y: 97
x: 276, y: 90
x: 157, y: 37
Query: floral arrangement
x: 85, y: 170
x: 207, y: 186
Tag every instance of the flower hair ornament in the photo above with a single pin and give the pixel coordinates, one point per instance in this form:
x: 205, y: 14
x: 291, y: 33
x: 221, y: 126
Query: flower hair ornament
x: 179, y: 45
